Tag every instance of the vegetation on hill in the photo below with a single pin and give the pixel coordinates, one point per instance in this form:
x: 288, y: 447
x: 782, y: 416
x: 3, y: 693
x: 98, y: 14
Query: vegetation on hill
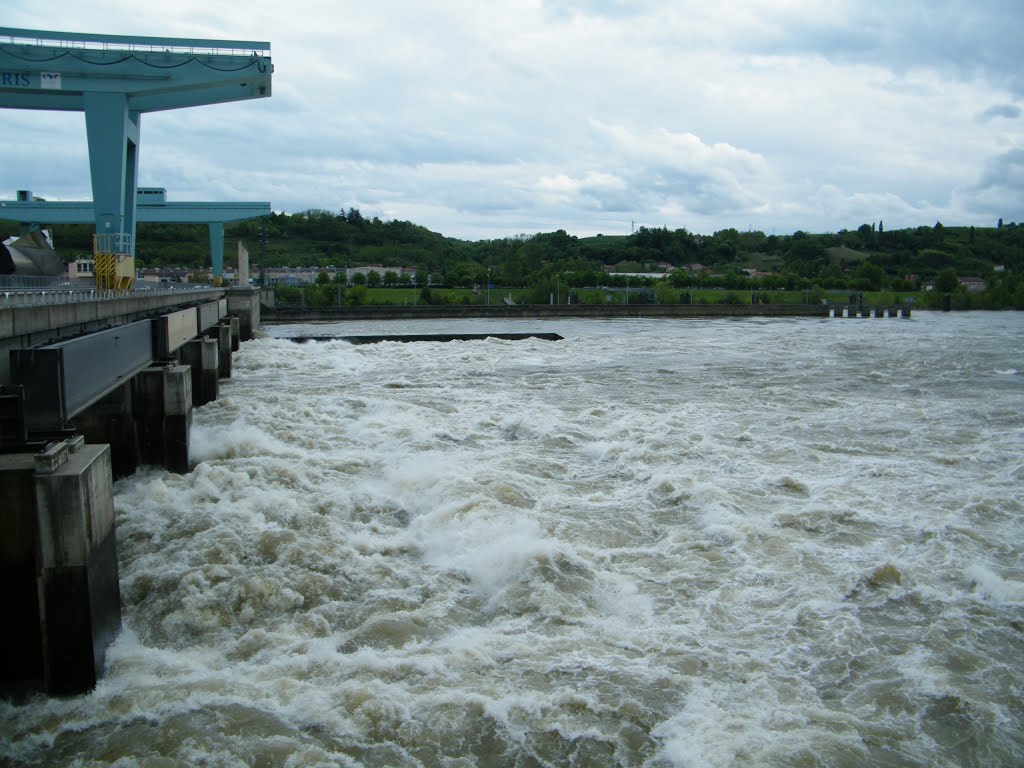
x: 868, y: 258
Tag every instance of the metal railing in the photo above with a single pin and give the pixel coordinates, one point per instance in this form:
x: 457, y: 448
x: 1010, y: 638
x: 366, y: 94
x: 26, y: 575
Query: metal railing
x: 50, y: 297
x: 30, y: 282
x: 112, y: 242
x: 89, y: 41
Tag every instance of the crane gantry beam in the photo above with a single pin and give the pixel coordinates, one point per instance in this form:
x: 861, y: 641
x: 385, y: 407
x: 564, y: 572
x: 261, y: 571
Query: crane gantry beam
x: 114, y: 80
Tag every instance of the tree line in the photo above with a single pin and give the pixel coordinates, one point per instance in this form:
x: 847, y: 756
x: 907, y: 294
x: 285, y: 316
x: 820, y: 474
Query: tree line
x: 867, y: 258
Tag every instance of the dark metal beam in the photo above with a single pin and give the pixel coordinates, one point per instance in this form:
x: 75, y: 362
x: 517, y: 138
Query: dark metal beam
x: 61, y: 380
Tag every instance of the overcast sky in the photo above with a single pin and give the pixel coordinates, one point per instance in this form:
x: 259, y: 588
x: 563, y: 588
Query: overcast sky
x: 489, y: 119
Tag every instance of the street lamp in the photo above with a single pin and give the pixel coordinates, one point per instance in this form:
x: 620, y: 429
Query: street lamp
x: 488, y: 286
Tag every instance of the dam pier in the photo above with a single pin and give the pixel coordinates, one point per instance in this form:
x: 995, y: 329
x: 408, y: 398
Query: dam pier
x: 93, y: 383
x: 91, y: 389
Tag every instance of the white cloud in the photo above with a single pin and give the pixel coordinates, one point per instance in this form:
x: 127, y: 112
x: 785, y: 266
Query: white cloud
x: 1009, y: 111
x: 481, y: 120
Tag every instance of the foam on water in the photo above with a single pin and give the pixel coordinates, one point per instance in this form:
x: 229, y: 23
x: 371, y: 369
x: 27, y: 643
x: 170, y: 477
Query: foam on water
x: 655, y: 543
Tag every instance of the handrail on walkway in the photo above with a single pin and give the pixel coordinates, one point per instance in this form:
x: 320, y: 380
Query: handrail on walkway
x: 43, y: 298
x: 85, y: 40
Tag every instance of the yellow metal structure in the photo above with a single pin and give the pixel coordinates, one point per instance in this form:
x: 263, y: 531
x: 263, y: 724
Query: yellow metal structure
x: 113, y: 262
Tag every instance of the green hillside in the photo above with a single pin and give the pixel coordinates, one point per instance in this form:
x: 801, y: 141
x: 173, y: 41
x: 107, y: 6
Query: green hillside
x: 868, y: 258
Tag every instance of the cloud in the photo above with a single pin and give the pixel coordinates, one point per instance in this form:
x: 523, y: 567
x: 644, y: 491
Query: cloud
x: 586, y: 115
x: 605, y: 8
x: 1006, y: 170
x: 676, y: 170
x: 959, y: 38
x: 1009, y: 111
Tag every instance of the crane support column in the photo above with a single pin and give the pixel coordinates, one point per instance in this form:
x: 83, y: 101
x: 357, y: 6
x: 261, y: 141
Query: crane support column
x: 113, y: 133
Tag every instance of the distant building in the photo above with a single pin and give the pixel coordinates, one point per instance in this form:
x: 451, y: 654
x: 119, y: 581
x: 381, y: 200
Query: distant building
x: 81, y: 269
x: 972, y: 284
x: 642, y: 275
x: 308, y: 275
x: 366, y: 270
x: 164, y: 275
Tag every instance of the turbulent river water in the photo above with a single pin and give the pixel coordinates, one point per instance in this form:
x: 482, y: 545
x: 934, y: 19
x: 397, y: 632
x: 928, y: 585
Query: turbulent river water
x: 664, y: 543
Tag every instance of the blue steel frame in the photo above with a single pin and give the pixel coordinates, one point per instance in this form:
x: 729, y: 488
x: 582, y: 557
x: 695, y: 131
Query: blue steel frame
x: 114, y: 79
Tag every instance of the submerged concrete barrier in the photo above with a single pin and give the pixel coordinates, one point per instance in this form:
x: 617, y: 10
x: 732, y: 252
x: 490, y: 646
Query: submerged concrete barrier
x: 427, y: 337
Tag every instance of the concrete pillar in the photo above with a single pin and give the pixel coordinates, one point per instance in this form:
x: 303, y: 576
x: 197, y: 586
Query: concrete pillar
x: 111, y: 420
x: 202, y: 356
x: 79, y: 592
x: 222, y: 333
x: 235, y: 333
x: 244, y: 303
x: 60, y: 552
x: 21, y: 642
x: 164, y: 416
x: 217, y: 250
x: 243, y: 265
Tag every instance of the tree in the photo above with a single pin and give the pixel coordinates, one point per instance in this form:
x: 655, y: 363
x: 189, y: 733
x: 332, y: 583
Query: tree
x: 868, y: 277
x: 356, y: 295
x: 947, y: 281
x: 665, y: 293
x: 866, y: 232
x: 322, y: 278
x: 805, y: 255
x: 373, y: 279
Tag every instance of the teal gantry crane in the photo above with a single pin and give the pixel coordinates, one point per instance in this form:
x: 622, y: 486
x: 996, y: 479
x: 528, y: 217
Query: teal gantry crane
x: 114, y: 79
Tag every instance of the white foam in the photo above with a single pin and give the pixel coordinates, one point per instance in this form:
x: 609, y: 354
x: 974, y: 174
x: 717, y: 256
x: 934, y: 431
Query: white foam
x: 653, y: 544
x: 238, y: 439
x: 990, y: 585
